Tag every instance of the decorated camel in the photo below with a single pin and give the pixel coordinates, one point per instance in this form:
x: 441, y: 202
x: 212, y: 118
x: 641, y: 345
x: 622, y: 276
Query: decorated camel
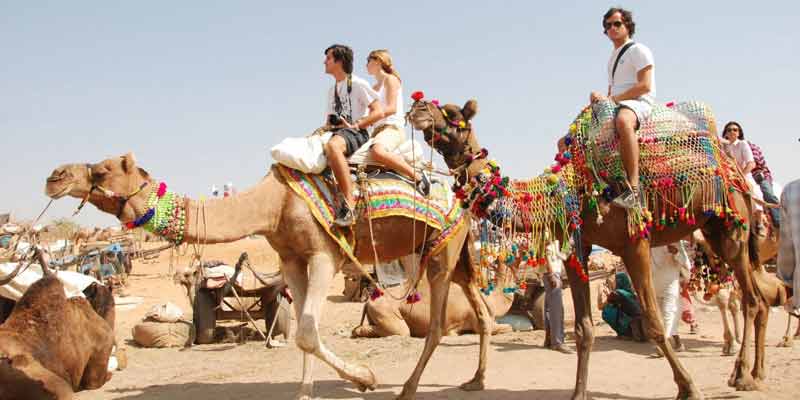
x: 390, y: 316
x: 51, y: 346
x: 725, y: 294
x: 290, y: 209
x: 571, y: 200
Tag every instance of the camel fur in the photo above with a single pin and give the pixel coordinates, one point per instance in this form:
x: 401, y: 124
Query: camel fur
x: 392, y: 315
x: 309, y: 258
x: 459, y: 145
x: 51, y: 346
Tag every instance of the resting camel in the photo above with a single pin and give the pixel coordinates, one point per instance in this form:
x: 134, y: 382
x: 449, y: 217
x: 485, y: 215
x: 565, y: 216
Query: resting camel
x: 448, y: 130
x: 51, y: 346
x: 389, y: 315
x: 309, y: 257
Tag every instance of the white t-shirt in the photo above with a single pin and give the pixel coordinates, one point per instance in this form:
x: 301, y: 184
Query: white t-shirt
x: 634, y: 60
x: 361, y: 96
x: 740, y: 151
x: 395, y: 119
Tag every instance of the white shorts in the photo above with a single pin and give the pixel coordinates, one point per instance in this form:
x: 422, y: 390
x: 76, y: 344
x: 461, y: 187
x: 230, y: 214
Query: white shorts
x: 642, y: 107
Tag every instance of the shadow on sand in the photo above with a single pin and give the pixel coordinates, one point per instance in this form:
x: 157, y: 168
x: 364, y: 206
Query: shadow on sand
x: 336, y: 389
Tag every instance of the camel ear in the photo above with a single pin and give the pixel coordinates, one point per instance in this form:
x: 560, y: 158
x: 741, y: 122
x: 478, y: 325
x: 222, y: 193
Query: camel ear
x: 128, y: 162
x: 470, y: 109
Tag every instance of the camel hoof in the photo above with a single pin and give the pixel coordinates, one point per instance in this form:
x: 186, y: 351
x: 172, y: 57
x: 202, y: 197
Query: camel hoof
x: 472, y: 386
x: 747, y: 385
x: 690, y: 395
x: 368, y: 384
x: 404, y: 395
x: 786, y: 342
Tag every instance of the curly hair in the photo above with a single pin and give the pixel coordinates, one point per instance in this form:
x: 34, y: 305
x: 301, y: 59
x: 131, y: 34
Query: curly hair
x: 627, y: 19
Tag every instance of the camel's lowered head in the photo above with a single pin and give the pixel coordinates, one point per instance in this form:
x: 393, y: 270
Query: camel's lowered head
x: 447, y: 129
x: 115, y: 186
x: 188, y: 278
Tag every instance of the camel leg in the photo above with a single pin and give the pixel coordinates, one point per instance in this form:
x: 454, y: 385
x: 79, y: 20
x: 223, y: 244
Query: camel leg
x: 485, y: 323
x: 762, y: 317
x: 735, y: 306
x: 797, y: 332
x: 321, y: 270
x: 637, y: 260
x: 734, y: 253
x: 439, y: 277
x: 723, y: 303
x: 294, y: 273
x: 384, y: 320
x: 584, y: 329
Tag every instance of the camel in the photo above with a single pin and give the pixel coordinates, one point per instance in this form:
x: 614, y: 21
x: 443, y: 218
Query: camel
x: 309, y: 257
x: 51, y: 346
x: 390, y: 315
x: 448, y: 129
x: 727, y: 297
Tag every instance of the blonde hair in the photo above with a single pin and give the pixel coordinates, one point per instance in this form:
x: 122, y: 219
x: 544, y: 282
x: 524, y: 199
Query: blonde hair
x: 383, y: 57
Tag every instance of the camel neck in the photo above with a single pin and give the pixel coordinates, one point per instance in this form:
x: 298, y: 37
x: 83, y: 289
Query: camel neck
x: 254, y: 211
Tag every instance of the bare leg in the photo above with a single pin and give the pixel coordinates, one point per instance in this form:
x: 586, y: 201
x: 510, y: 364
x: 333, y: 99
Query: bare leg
x: 294, y: 272
x: 584, y: 330
x: 321, y: 270
x: 440, y: 270
x: 394, y: 161
x: 629, y: 146
x: 637, y: 260
x: 334, y: 151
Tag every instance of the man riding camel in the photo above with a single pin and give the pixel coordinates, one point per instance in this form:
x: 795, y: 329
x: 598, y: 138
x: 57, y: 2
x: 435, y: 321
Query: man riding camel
x: 352, y: 107
x: 632, y: 85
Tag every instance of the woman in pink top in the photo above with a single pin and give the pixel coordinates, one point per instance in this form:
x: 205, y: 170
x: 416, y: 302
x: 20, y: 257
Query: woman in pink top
x: 740, y: 151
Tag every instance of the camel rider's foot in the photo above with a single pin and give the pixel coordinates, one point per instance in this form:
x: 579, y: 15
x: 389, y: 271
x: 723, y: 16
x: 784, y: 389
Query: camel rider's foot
x: 561, y: 348
x: 345, y: 216
x: 424, y: 185
x: 628, y: 199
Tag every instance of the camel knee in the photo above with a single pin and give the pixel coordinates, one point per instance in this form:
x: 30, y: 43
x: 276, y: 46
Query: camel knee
x: 584, y: 333
x: 307, y: 338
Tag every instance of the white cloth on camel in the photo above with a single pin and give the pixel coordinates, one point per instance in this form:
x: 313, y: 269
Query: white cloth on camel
x: 789, y: 246
x: 74, y: 283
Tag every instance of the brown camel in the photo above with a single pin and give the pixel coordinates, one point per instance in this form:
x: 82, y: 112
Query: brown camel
x: 309, y: 257
x: 389, y: 315
x: 728, y: 297
x: 51, y: 346
x: 453, y: 137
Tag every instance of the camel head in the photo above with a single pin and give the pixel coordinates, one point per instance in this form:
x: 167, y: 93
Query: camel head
x: 447, y: 129
x: 115, y: 185
x: 188, y: 278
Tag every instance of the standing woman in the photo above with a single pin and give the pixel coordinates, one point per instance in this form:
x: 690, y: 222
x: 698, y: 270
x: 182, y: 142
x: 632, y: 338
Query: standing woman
x: 388, y: 134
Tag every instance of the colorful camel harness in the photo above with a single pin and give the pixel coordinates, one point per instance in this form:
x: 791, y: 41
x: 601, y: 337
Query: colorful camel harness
x: 680, y: 155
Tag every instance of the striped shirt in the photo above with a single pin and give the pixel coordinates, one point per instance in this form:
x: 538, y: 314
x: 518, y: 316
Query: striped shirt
x: 761, y: 163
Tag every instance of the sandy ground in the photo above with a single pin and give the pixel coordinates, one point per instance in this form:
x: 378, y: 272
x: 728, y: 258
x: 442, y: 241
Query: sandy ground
x: 519, y: 368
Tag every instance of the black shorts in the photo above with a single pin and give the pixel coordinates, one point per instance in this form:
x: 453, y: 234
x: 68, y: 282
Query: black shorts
x: 352, y: 138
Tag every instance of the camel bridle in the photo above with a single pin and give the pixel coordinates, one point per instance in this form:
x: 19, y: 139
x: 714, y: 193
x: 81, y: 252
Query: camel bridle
x: 121, y: 199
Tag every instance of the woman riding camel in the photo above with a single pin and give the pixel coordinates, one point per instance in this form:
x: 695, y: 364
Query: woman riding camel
x: 388, y: 134
x: 737, y: 147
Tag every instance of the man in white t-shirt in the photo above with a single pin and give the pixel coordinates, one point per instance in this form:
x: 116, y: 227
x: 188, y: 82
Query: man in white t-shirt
x: 352, y: 107
x: 632, y: 85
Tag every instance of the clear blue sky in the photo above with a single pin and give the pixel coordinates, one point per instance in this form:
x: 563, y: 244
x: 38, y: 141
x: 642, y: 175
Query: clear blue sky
x: 199, y: 91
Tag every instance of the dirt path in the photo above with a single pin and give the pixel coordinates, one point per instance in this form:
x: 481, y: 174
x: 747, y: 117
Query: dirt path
x: 519, y: 368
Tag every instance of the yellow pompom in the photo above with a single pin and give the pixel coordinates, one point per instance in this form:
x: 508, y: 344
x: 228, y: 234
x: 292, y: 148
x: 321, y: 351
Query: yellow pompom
x: 461, y: 124
x: 572, y: 128
x: 552, y: 178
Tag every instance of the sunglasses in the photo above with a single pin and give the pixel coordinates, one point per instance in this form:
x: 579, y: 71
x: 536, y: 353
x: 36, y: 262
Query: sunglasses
x: 732, y: 130
x: 615, y: 24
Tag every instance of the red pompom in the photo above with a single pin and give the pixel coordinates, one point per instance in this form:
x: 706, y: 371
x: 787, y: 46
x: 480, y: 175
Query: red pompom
x: 418, y: 95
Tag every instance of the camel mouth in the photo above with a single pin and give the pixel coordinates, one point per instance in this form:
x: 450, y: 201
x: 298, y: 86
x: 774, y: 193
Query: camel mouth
x: 58, y: 194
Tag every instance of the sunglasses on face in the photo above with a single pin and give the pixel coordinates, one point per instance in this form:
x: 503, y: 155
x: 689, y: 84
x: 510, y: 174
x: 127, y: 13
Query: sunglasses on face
x: 615, y: 24
x: 732, y: 130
